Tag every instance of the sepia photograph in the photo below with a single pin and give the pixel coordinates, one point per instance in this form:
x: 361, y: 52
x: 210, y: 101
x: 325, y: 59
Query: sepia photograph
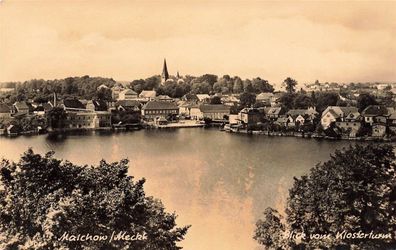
x: 197, y: 125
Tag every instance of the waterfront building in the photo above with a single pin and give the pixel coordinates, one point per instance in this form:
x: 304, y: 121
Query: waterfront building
x: 214, y: 111
x: 335, y: 113
x: 154, y: 109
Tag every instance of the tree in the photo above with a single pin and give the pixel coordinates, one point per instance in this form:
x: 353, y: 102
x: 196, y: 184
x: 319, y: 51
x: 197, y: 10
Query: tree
x: 215, y: 100
x: 260, y: 85
x: 290, y: 85
x: 355, y: 191
x: 365, y: 100
x: 325, y: 99
x: 247, y: 86
x: 247, y: 99
x: 56, y: 117
x: 302, y: 101
x: 238, y: 85
x: 44, y: 198
x: 201, y: 88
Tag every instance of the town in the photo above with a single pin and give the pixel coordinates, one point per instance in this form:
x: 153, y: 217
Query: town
x: 355, y: 111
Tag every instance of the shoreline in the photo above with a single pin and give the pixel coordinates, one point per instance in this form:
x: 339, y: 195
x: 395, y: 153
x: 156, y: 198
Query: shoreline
x: 309, y: 135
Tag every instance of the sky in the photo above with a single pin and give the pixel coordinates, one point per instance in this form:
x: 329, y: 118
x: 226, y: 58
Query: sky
x: 335, y: 41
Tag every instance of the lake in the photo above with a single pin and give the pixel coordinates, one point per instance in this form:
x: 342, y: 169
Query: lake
x: 220, y: 183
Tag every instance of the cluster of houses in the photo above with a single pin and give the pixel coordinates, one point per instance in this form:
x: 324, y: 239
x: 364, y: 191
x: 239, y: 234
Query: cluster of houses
x: 375, y: 120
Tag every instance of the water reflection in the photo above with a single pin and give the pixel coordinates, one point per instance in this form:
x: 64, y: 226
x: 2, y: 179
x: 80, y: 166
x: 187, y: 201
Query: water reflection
x: 219, y: 183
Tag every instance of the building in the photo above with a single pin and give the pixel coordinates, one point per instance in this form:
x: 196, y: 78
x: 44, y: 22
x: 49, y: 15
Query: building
x: 127, y: 94
x: 203, y: 98
x: 214, y: 111
x: 154, y: 109
x: 250, y: 116
x: 147, y: 95
x: 376, y: 114
x: 72, y: 105
x: 116, y: 90
x: 165, y: 74
x: 128, y: 105
x: 273, y: 113
x: 264, y: 98
x: 335, y: 113
x: 164, y: 98
x: 88, y: 119
x: 21, y: 108
x: 96, y: 105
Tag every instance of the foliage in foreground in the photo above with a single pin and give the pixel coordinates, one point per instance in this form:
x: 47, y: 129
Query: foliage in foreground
x: 41, y: 198
x: 355, y: 191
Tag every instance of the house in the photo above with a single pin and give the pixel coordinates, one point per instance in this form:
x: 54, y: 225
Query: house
x: 230, y: 100
x: 214, y: 111
x: 378, y: 130
x: 164, y: 98
x: 21, y: 108
x: 127, y: 94
x: 335, y: 113
x: 116, y: 90
x: 265, y: 98
x: 274, y: 113
x: 128, y: 105
x: 203, y: 98
x: 284, y: 121
x: 147, y: 95
x: 5, y: 111
x: 376, y: 113
x: 153, y: 109
x: 88, y: 119
x: 250, y: 116
x: 96, y: 105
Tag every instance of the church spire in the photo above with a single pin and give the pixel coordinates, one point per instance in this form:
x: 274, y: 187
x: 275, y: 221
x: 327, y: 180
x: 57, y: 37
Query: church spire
x: 165, y: 74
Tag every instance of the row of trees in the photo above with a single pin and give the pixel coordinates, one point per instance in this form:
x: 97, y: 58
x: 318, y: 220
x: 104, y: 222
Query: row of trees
x: 204, y: 84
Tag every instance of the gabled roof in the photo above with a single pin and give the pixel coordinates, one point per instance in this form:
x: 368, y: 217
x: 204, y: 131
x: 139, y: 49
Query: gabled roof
x: 128, y: 92
x: 274, y: 110
x: 155, y: 105
x: 100, y: 105
x: 163, y: 97
x: 214, y: 108
x: 250, y: 111
x: 4, y: 108
x: 297, y: 112
x: 127, y: 103
x: 73, y: 103
x: 148, y: 94
x: 202, y: 97
x: 375, y: 110
x: 264, y: 95
x: 338, y: 111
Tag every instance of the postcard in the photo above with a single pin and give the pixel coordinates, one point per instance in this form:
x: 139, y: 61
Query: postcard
x: 197, y: 125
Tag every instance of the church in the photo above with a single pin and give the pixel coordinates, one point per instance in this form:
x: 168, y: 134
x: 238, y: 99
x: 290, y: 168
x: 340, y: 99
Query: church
x: 166, y: 77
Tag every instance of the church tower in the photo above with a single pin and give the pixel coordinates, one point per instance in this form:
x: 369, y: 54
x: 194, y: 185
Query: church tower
x: 165, y: 74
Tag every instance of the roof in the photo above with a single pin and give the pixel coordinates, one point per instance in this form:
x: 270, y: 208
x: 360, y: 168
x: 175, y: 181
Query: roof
x: 155, y: 105
x: 297, y: 112
x: 274, y: 110
x: 4, y: 108
x: 73, y: 103
x: 264, y: 95
x: 163, y: 97
x: 128, y: 92
x: 214, y: 107
x: 250, y: 111
x: 375, y: 110
x: 100, y: 105
x: 148, y: 94
x: 127, y: 103
x: 338, y: 111
x: 202, y: 97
